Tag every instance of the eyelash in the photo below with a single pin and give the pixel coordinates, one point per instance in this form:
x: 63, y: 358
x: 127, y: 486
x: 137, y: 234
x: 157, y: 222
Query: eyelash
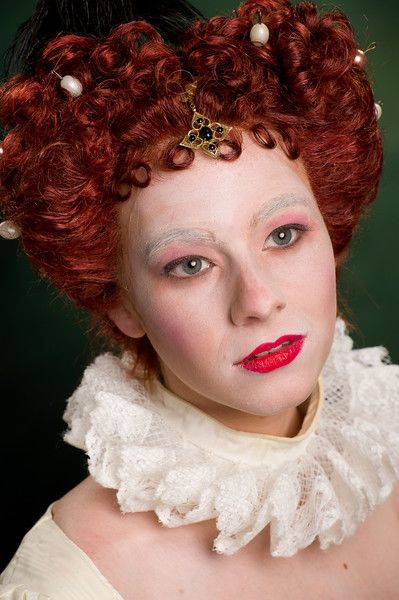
x: 300, y: 229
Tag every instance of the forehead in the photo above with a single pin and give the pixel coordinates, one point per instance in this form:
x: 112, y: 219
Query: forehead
x: 214, y: 190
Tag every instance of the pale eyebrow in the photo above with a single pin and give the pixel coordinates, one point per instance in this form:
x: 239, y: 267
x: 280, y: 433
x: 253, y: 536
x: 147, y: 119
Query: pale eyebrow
x: 269, y: 207
x: 185, y: 235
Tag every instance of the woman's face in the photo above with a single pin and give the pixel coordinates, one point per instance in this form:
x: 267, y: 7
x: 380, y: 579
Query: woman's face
x: 223, y: 257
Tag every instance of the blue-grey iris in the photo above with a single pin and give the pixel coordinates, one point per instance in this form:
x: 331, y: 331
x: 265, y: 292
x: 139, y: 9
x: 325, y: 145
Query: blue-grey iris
x: 283, y: 236
x: 193, y: 264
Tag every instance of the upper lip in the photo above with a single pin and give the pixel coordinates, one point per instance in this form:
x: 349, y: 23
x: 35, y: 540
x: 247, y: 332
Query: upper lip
x: 270, y: 345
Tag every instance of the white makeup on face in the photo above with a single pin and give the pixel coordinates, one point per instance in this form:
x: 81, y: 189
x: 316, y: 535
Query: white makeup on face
x: 223, y: 257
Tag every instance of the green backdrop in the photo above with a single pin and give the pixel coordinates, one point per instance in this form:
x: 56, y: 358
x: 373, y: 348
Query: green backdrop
x: 43, y: 344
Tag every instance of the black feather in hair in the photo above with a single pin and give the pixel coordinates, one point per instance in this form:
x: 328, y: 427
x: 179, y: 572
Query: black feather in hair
x: 96, y: 18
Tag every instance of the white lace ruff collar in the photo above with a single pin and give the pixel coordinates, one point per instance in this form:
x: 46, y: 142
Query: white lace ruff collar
x: 163, y: 454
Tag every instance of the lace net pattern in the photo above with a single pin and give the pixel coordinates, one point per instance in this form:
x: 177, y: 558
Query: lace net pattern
x: 347, y: 466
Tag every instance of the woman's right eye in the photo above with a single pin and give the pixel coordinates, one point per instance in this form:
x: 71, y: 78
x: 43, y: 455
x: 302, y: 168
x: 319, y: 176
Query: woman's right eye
x: 186, y: 267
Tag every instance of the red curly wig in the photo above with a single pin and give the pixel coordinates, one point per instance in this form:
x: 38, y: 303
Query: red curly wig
x: 65, y: 158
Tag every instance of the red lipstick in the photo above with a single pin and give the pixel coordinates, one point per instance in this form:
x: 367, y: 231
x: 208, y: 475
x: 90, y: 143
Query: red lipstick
x: 279, y: 353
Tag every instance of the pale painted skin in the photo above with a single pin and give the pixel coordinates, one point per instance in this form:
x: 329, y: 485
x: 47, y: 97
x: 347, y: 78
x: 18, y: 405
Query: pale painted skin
x: 248, y: 289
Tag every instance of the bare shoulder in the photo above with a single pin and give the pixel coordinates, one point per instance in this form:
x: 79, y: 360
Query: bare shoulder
x: 90, y: 516
x: 125, y: 548
x: 90, y: 510
x: 90, y: 506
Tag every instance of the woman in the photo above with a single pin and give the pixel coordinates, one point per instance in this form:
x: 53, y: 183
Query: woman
x: 212, y: 177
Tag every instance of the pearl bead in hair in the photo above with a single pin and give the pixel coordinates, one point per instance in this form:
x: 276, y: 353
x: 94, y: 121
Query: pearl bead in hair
x: 360, y: 59
x: 378, y: 110
x: 9, y: 230
x: 72, y: 85
x: 259, y: 34
x: 1, y: 150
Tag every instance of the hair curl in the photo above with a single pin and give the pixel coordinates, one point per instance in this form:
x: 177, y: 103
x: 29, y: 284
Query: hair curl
x: 64, y: 159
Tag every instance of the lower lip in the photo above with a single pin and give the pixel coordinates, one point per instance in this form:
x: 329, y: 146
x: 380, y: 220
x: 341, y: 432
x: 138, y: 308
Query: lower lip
x: 275, y: 360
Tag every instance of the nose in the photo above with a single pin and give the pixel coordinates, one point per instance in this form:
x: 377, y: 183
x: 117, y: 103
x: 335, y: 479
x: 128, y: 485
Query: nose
x: 256, y: 295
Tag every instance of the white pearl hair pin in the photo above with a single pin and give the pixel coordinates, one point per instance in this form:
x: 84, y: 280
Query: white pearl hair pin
x: 360, y: 59
x: 70, y: 84
x: 9, y: 230
x: 378, y: 110
x: 259, y: 34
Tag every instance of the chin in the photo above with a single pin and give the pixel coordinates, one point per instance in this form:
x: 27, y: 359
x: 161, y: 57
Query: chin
x: 264, y: 397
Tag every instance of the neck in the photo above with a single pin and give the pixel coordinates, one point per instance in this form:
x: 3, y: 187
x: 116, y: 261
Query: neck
x: 286, y: 423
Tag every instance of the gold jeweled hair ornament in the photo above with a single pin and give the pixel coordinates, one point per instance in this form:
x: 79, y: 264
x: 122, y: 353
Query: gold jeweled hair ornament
x: 204, y: 133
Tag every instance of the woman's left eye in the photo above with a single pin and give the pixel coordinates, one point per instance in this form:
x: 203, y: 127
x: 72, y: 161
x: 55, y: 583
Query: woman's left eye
x: 284, y: 236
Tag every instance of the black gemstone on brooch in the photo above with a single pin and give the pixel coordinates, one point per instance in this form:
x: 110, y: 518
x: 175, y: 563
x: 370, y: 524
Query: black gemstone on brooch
x: 206, y: 133
x: 219, y: 129
x: 212, y: 147
x: 199, y: 121
x: 192, y: 137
